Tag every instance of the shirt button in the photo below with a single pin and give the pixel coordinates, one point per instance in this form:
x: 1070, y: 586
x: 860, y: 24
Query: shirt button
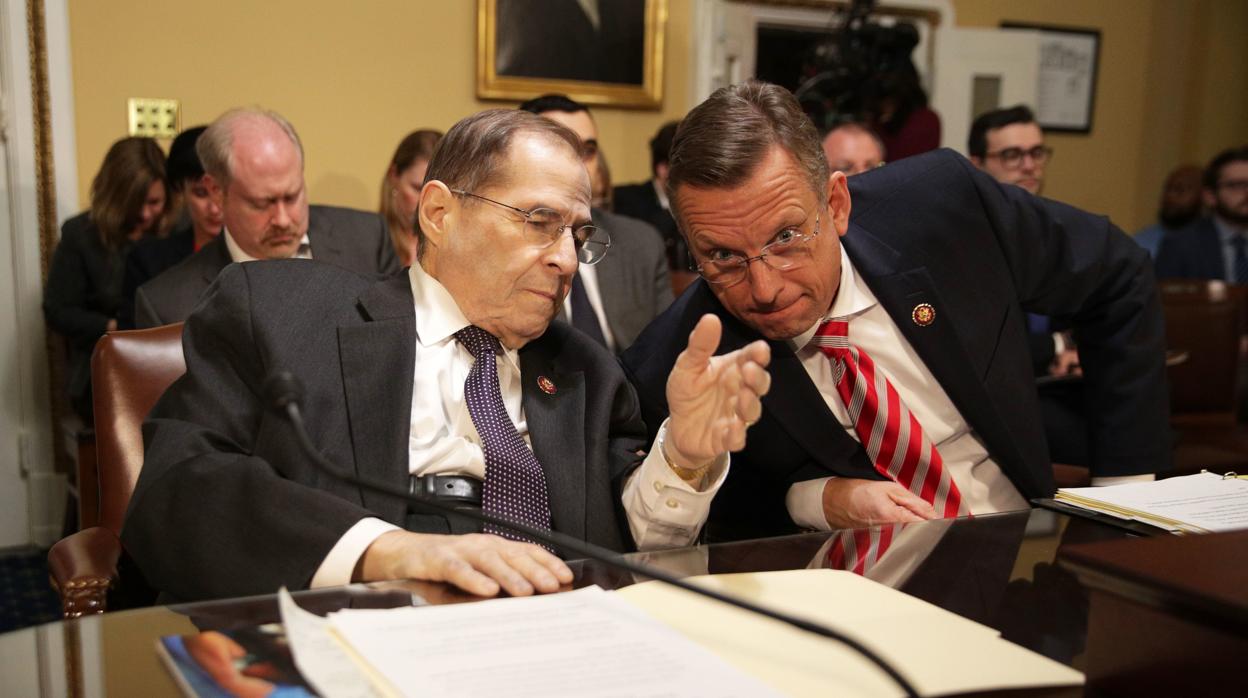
x: 658, y: 486
x: 672, y: 504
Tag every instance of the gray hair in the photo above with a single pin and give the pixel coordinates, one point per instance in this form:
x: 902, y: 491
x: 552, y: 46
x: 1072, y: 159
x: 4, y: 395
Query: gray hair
x: 721, y: 142
x: 215, y: 145
x: 471, y: 155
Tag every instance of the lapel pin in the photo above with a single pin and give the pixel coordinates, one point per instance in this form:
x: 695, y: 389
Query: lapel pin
x: 923, y: 314
x: 547, y: 385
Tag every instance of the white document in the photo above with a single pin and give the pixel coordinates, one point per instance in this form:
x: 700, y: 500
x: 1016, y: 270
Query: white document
x: 939, y: 652
x: 580, y: 643
x: 318, y: 654
x: 1201, y: 503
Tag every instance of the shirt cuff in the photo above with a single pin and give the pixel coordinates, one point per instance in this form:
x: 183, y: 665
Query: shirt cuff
x: 1122, y: 479
x: 663, y: 510
x: 337, y: 567
x: 805, y: 504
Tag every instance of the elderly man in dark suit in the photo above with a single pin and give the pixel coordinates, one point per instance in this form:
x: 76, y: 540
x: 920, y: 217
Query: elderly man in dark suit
x: 253, y: 161
x: 613, y: 301
x: 450, y: 380
x: 903, y: 389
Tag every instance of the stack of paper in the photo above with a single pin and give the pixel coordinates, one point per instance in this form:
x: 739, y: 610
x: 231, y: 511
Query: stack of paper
x: 1203, y: 503
x: 655, y: 640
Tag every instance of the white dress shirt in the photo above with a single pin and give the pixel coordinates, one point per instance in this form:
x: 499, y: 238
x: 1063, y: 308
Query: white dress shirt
x: 589, y: 276
x: 984, y: 487
x: 661, y: 195
x: 663, y: 510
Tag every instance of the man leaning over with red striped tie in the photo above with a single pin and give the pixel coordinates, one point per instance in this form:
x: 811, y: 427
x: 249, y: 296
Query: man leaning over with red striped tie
x: 893, y: 302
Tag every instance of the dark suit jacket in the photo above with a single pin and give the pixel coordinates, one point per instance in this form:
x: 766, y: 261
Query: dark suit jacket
x: 1194, y: 252
x: 82, y: 295
x: 148, y: 259
x: 227, y: 505
x: 354, y: 240
x: 932, y: 229
x: 632, y: 278
x: 641, y: 202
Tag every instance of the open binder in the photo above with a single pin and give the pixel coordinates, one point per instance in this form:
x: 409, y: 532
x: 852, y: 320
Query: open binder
x: 1201, y: 503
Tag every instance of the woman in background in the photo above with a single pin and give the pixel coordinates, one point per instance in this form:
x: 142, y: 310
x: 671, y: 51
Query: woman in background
x: 197, y: 222
x: 84, y: 291
x: 400, y: 190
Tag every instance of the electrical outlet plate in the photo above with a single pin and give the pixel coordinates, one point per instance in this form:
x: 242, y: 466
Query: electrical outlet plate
x: 154, y: 117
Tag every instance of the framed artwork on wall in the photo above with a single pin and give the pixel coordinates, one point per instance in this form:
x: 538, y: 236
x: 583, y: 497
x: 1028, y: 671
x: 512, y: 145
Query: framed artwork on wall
x: 1066, y: 93
x: 595, y: 51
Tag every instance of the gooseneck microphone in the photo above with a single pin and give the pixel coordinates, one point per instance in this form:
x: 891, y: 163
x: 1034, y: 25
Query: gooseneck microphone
x: 283, y: 393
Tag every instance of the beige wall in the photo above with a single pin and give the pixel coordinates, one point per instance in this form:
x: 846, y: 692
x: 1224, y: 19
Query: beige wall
x: 1172, y: 88
x: 1172, y: 85
x: 354, y: 77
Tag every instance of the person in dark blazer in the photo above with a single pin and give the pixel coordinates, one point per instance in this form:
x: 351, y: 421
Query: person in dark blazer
x: 933, y: 269
x: 633, y: 279
x: 253, y: 161
x: 227, y: 504
x: 647, y: 201
x: 631, y: 286
x: 355, y: 240
x: 198, y: 224
x: 1215, y: 247
x: 83, y: 297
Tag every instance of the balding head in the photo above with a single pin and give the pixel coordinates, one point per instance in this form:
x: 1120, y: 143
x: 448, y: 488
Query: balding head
x: 852, y: 148
x: 254, y: 165
x: 217, y: 144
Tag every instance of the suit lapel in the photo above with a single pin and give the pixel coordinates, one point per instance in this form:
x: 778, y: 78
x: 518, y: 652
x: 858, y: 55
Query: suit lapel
x: 378, y: 358
x: 1212, y: 255
x: 325, y: 244
x: 216, y: 257
x: 794, y: 401
x: 612, y: 291
x: 555, y: 422
x: 900, y: 287
x: 612, y: 286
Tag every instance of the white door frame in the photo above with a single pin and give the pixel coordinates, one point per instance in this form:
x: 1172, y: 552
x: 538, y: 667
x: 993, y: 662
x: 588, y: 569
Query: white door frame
x: 1010, y: 55
x: 29, y: 486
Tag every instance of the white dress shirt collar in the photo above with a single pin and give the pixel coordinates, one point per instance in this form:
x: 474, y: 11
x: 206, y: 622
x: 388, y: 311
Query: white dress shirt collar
x: 438, y: 316
x: 853, y: 298
x: 661, y: 194
x: 1227, y: 230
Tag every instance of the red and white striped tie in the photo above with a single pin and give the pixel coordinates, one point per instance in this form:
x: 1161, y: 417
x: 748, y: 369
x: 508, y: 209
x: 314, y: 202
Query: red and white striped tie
x: 889, y: 433
x: 858, y: 549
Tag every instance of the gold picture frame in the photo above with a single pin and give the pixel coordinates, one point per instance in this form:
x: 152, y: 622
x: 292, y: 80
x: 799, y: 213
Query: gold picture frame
x: 531, y: 54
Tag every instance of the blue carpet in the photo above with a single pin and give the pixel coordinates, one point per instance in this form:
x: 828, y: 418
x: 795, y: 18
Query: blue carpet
x: 26, y: 596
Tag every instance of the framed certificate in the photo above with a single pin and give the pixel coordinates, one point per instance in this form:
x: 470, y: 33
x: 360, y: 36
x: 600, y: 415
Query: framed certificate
x: 1066, y: 92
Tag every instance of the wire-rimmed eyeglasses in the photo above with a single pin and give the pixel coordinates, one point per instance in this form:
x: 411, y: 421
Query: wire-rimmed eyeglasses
x: 544, y: 227
x: 789, y: 249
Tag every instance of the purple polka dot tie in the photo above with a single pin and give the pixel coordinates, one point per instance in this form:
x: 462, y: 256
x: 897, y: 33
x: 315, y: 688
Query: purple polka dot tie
x: 515, y: 487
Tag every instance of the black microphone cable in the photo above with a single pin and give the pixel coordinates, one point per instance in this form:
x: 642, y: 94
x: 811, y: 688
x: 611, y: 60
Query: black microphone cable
x: 283, y: 392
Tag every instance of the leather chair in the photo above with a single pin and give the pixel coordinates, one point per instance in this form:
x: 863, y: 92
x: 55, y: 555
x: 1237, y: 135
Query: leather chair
x: 1207, y: 320
x: 129, y: 372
